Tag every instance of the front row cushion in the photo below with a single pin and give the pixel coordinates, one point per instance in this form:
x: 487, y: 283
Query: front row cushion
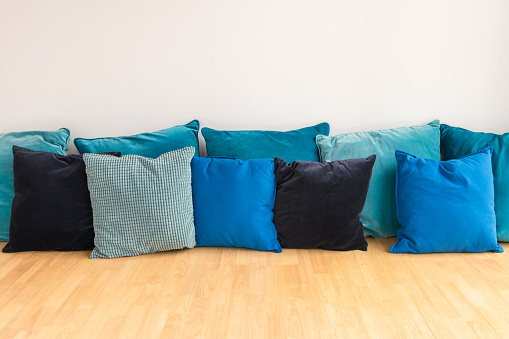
x: 48, y: 141
x: 318, y: 203
x: 141, y: 205
x: 292, y: 145
x: 51, y: 208
x: 150, y: 144
x: 233, y: 203
x: 445, y: 206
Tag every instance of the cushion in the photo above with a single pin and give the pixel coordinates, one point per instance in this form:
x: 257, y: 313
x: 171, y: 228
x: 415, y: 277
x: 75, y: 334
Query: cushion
x: 233, y: 203
x: 379, y: 214
x: 293, y: 145
x: 51, y: 208
x: 141, y: 205
x: 318, y: 203
x: 457, y: 142
x: 445, y: 206
x: 149, y: 145
x: 49, y: 141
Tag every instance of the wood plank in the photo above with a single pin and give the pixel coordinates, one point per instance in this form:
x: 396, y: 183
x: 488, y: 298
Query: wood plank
x: 239, y: 293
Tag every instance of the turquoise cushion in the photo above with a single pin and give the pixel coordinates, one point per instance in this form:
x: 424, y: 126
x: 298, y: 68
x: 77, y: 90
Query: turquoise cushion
x: 457, y: 142
x: 293, y: 145
x: 149, y: 145
x: 46, y: 141
x: 379, y: 214
x: 445, y: 206
x: 233, y: 203
x: 141, y: 205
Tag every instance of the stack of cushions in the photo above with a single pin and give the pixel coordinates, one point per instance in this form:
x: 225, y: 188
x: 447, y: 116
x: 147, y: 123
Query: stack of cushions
x: 141, y: 205
x: 149, y: 145
x: 318, y: 203
x: 234, y: 202
x: 290, y: 146
x: 457, y: 142
x: 445, y: 206
x: 262, y: 190
x: 379, y: 213
x: 51, y: 208
x: 49, y: 141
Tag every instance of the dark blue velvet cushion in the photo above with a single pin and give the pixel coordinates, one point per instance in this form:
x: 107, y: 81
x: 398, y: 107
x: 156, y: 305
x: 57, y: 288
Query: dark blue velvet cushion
x: 318, y: 203
x: 51, y: 209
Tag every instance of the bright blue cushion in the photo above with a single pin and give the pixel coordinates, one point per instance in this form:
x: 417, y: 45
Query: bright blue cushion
x: 445, y: 206
x: 379, y: 214
x: 45, y: 141
x: 296, y: 145
x: 150, y: 145
x: 233, y: 202
x: 457, y: 142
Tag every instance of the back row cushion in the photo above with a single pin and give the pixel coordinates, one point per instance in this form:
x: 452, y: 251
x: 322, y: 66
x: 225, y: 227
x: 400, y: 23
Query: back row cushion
x: 379, y: 214
x: 458, y: 142
x: 149, y: 145
x: 290, y: 146
x: 49, y: 141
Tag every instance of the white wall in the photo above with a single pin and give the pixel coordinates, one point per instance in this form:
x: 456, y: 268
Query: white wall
x: 118, y: 67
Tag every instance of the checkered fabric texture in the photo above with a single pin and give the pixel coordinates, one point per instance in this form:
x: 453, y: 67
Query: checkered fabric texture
x: 141, y: 205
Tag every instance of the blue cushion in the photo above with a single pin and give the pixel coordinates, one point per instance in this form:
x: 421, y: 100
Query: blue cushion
x: 233, y: 202
x: 445, y: 206
x: 457, y: 142
x: 150, y: 145
x: 141, y: 205
x: 291, y: 146
x: 46, y: 141
x: 379, y: 214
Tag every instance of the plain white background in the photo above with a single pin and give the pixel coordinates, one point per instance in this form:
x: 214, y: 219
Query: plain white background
x: 111, y: 67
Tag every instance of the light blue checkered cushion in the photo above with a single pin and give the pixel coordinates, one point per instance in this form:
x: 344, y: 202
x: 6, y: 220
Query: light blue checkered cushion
x: 141, y: 205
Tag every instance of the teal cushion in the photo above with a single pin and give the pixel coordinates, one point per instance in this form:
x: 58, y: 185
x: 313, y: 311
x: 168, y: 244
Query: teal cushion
x: 46, y: 141
x: 445, y: 206
x: 149, y: 145
x: 379, y: 214
x: 291, y: 146
x: 457, y: 142
x: 141, y: 205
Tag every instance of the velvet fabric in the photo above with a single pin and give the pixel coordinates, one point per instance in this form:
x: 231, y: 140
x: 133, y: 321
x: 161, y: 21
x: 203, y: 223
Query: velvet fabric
x: 48, y: 141
x: 233, y: 203
x: 457, y: 142
x: 150, y: 145
x: 445, y: 206
x: 318, y: 203
x: 379, y: 214
x: 292, y: 145
x: 51, y: 208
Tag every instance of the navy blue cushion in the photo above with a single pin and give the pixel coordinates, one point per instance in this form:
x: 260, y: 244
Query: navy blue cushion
x: 51, y: 209
x: 318, y: 203
x: 445, y: 206
x: 233, y: 203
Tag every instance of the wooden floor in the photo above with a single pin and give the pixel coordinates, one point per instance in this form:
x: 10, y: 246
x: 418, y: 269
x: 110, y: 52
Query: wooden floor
x: 236, y: 293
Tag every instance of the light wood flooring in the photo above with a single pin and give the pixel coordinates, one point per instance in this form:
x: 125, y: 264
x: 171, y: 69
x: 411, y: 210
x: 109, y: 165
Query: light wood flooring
x: 237, y: 293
